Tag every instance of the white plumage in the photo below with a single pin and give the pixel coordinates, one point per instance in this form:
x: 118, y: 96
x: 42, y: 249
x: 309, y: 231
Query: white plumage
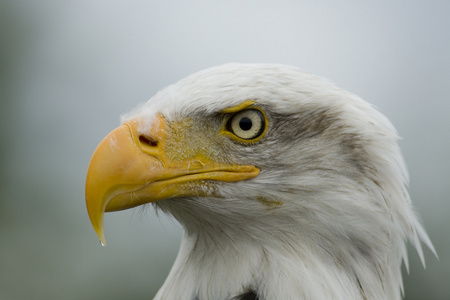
x: 328, y: 215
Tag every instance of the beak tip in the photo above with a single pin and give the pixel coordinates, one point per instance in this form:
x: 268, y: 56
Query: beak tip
x: 97, y: 223
x: 101, y: 236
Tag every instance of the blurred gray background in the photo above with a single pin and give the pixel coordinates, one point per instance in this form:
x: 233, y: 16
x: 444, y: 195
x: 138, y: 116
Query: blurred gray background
x: 69, y: 69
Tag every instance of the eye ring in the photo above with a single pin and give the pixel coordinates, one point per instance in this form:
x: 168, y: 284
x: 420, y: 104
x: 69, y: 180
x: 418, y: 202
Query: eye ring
x: 247, y: 125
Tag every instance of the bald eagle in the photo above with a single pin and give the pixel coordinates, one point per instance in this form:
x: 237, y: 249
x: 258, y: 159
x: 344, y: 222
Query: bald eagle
x: 287, y: 187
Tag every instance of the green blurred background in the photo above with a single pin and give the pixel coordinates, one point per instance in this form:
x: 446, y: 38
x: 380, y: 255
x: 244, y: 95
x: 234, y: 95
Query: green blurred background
x: 69, y: 69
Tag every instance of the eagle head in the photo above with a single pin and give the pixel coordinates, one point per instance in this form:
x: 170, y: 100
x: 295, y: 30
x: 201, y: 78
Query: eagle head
x: 287, y: 186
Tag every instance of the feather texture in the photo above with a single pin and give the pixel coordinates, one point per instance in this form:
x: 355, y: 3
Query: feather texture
x: 328, y: 215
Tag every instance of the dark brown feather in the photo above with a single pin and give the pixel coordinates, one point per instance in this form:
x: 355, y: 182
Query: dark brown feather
x: 247, y: 296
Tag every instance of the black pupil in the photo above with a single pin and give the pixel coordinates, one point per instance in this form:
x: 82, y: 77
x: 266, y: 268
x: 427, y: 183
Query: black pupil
x: 245, y: 124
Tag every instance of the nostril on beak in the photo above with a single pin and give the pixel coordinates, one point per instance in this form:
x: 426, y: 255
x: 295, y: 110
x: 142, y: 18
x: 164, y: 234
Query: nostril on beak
x: 149, y: 141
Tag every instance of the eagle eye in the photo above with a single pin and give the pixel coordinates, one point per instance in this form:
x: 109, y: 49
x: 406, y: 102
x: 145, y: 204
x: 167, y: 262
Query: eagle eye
x: 247, y: 124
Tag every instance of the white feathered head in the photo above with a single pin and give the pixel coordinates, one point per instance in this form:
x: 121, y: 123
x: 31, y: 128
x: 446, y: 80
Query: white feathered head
x: 271, y: 161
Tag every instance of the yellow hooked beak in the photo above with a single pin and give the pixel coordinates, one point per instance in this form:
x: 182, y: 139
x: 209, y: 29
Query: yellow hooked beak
x: 128, y: 170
